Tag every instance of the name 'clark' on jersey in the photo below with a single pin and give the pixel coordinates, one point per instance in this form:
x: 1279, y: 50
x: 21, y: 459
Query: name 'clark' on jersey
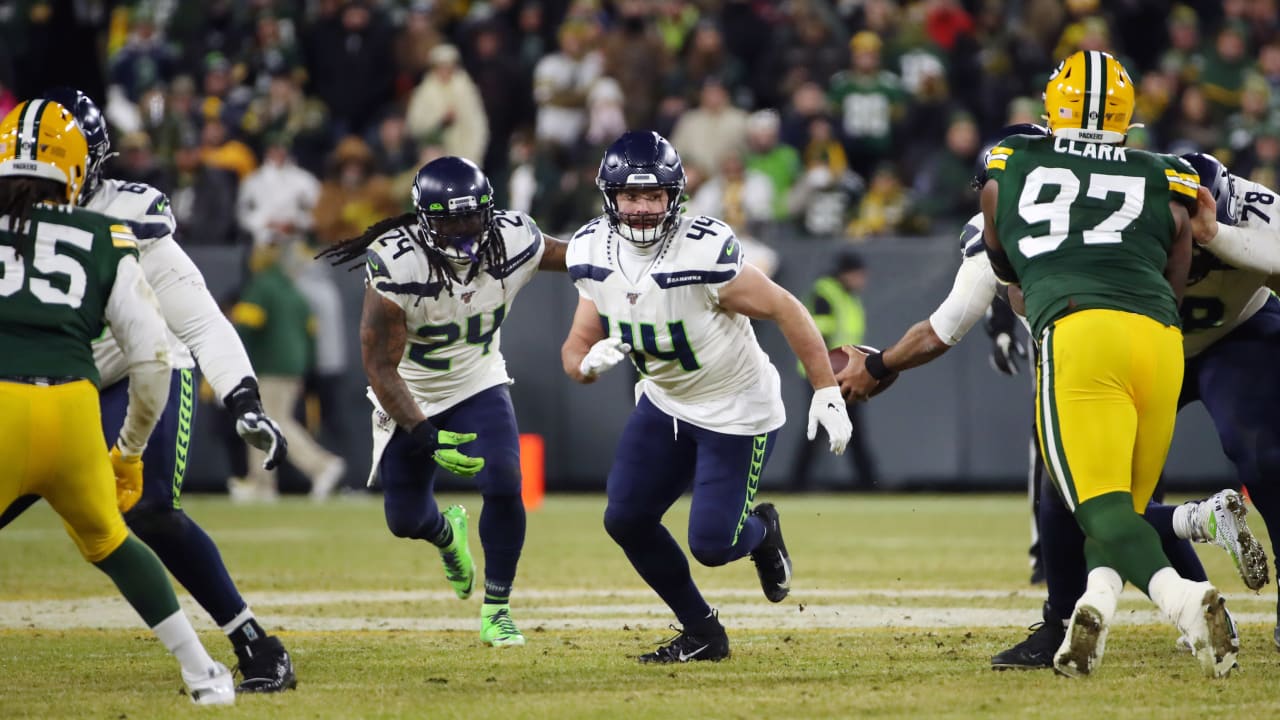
x: 146, y: 211
x: 453, y: 348
x: 698, y: 362
x: 1220, y: 297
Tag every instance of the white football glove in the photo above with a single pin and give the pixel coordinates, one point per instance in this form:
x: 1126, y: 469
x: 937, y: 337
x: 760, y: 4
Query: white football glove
x: 263, y: 433
x: 603, y: 355
x: 828, y: 410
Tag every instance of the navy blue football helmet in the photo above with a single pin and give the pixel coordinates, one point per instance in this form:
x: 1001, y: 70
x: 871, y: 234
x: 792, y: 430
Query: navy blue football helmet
x: 454, y: 203
x: 642, y: 160
x: 1214, y: 177
x: 94, y: 127
x: 980, y: 176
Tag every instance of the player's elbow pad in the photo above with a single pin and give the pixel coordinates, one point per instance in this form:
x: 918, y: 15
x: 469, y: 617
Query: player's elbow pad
x: 1001, y: 266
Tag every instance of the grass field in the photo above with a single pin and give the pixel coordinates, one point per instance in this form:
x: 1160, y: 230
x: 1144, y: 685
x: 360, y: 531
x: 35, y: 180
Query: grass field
x: 898, y: 604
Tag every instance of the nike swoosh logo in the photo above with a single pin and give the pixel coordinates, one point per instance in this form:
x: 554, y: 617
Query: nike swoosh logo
x: 687, y: 657
x: 832, y: 406
x: 730, y: 250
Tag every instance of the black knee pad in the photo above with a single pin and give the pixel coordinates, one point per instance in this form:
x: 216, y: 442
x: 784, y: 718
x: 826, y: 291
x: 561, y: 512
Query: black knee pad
x: 154, y: 523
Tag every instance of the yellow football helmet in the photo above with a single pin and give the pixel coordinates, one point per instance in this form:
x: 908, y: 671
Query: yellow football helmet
x: 1089, y: 97
x: 40, y: 139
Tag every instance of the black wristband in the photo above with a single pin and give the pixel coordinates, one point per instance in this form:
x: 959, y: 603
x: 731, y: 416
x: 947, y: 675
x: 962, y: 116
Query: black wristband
x: 424, y: 437
x: 876, y: 368
x: 244, y: 398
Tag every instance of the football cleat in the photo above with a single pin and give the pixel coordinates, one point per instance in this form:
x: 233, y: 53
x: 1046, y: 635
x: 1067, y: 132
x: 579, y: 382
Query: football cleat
x: 1086, y: 639
x: 459, y: 568
x: 265, y: 667
x: 1203, y: 619
x: 214, y: 687
x: 1220, y: 520
x: 773, y: 564
x: 497, y: 629
x: 688, y: 647
x: 1037, y: 650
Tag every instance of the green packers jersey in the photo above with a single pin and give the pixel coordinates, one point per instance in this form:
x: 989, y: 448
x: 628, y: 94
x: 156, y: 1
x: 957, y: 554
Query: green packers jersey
x: 1088, y: 225
x: 55, y: 279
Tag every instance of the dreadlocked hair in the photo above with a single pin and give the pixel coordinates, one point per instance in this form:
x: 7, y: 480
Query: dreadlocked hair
x: 19, y: 196
x: 352, y: 250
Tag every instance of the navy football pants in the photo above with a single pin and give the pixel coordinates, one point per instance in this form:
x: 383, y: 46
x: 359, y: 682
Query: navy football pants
x: 657, y: 459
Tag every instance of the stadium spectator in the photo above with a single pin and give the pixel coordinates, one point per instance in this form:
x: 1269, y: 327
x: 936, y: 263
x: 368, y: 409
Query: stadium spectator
x: 704, y: 56
x: 778, y: 162
x: 885, y: 209
x: 413, y: 44
x: 394, y: 152
x: 1224, y: 70
x: 635, y: 56
x: 350, y: 66
x: 1195, y: 129
x: 352, y: 196
x: 446, y: 108
x: 504, y: 94
x: 137, y: 163
x: 277, y: 200
x: 561, y: 81
x: 713, y: 130
x: 941, y: 191
x: 203, y: 197
x: 870, y: 102
x: 218, y: 149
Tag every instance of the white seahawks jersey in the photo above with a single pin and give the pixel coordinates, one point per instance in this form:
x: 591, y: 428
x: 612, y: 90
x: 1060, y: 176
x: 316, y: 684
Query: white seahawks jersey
x: 146, y: 211
x: 1220, y: 297
x: 697, y: 361
x: 453, y: 348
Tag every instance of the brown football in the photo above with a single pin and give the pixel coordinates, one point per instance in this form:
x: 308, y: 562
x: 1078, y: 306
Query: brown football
x: 840, y: 359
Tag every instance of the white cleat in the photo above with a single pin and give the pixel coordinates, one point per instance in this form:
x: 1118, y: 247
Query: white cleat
x: 216, y: 687
x: 1209, y: 628
x: 1081, y: 650
x: 1220, y: 520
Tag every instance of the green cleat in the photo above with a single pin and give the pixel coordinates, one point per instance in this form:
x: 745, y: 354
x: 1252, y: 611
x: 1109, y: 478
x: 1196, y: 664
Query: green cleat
x: 497, y: 628
x: 459, y: 568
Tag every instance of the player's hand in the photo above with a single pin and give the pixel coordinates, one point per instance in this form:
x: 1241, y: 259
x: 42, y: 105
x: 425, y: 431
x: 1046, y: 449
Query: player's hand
x: 1005, y: 353
x: 827, y: 409
x: 602, y: 356
x: 442, y: 446
x: 263, y: 433
x: 855, y: 383
x: 128, y: 472
x: 1204, y: 226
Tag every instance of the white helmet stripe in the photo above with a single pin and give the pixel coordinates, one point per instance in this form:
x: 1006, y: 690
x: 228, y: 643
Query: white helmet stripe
x: 1097, y: 86
x: 31, y: 126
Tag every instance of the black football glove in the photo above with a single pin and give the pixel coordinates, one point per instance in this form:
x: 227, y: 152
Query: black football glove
x: 253, y: 425
x: 1001, y: 325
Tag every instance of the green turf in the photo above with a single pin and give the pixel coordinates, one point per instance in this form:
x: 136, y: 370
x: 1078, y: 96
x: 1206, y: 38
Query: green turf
x: 842, y: 545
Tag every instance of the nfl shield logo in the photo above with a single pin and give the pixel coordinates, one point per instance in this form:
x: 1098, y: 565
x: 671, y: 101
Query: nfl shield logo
x: 466, y: 296
x: 633, y: 297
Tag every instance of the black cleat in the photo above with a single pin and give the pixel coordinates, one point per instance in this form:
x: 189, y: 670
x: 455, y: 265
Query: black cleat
x: 773, y: 564
x: 265, y: 667
x: 688, y: 647
x: 1037, y: 651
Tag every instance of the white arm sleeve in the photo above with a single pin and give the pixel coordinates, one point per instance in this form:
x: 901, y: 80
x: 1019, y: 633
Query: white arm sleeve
x: 194, y: 316
x: 134, y: 315
x: 971, y: 295
x: 1248, y: 248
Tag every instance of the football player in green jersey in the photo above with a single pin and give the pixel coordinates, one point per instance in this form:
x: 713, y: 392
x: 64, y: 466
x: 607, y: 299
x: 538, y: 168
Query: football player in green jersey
x: 64, y: 274
x: 1098, y: 236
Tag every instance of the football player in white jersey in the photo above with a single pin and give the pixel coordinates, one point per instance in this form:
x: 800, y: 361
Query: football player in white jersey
x: 673, y: 294
x: 1219, y: 299
x: 196, y: 326
x: 439, y: 283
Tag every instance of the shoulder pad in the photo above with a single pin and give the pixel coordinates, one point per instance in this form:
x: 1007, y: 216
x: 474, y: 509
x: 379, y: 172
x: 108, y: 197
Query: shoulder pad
x: 522, y: 238
x: 145, y: 208
x: 971, y: 242
x: 581, y: 256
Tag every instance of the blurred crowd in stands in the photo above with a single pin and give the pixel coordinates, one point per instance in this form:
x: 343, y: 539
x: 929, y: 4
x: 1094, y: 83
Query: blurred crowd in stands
x: 271, y: 119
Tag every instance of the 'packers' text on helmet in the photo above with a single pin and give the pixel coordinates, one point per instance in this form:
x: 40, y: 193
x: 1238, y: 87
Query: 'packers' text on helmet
x: 1089, y: 97
x: 40, y: 139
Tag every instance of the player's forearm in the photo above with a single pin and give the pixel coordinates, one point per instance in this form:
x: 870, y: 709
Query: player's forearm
x: 571, y: 355
x: 394, y: 396
x: 805, y: 340
x: 1256, y: 249
x: 148, y: 394
x: 917, y: 347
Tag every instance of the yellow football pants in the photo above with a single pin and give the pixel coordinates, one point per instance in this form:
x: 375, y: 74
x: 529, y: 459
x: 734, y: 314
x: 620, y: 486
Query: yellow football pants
x: 1106, y: 399
x: 51, y: 445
